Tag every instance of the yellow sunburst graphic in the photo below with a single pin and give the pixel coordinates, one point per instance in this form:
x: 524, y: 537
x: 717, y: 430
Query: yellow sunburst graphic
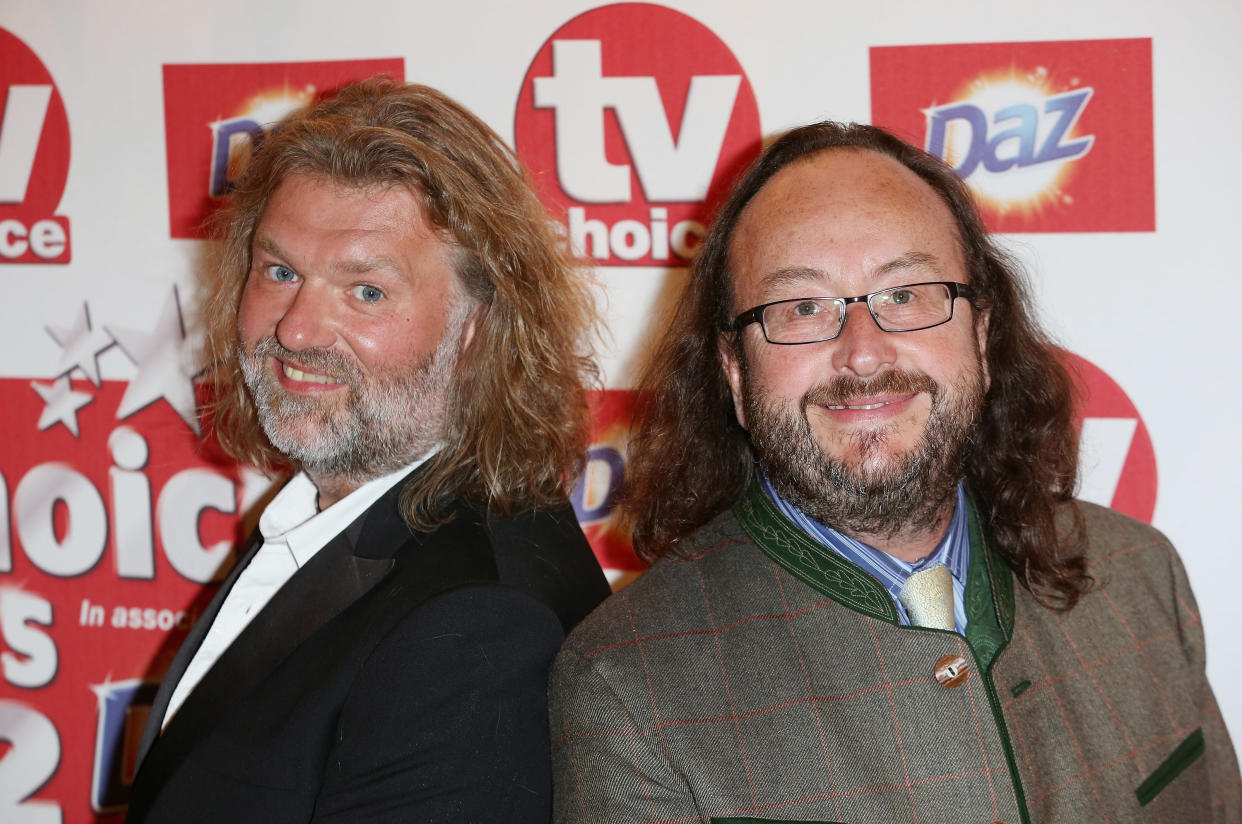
x: 1023, y: 189
x: 270, y: 105
x: 265, y: 108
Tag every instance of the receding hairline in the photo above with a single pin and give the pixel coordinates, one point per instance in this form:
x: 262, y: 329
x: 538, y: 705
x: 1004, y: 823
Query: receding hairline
x: 906, y: 259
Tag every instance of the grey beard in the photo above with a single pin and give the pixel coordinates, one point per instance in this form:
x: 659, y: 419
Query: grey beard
x: 384, y: 423
x: 903, y: 495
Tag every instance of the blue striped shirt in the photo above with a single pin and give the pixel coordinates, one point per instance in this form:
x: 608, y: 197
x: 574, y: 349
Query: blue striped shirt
x: 953, y: 551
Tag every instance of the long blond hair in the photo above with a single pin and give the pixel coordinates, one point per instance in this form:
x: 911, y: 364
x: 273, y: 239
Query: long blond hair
x: 516, y: 425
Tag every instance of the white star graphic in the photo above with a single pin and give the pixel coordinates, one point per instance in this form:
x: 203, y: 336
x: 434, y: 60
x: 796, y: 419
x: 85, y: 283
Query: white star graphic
x: 163, y: 362
x: 60, y: 404
x: 80, y: 346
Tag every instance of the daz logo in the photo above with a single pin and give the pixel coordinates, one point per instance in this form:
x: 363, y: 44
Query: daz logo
x: 34, y: 159
x: 594, y: 492
x: 215, y: 115
x: 1051, y: 137
x: 629, y: 117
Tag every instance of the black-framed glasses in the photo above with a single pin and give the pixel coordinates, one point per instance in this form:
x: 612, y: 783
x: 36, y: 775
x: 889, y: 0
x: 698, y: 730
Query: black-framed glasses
x: 896, y: 309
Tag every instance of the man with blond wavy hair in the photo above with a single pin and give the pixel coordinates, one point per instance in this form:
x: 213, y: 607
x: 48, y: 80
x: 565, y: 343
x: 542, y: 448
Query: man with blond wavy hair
x: 395, y: 321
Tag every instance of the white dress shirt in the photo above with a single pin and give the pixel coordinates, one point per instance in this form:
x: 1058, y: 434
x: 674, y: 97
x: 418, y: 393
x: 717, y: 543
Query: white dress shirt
x: 293, y: 530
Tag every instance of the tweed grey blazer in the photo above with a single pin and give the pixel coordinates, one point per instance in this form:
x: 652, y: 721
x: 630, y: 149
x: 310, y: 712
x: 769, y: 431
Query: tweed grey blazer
x: 762, y: 677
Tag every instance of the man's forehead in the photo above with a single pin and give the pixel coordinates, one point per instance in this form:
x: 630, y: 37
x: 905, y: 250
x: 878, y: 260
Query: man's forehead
x: 832, y: 195
x: 848, y: 178
x: 292, y: 187
x: 339, y: 207
x: 805, y: 275
x: 376, y: 187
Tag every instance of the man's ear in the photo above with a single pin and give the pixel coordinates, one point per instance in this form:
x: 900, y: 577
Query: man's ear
x: 470, y: 327
x: 731, y: 365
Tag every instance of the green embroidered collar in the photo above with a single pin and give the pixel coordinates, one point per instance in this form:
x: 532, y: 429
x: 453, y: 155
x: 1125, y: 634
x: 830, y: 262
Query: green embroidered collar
x: 989, y: 581
x: 814, y: 564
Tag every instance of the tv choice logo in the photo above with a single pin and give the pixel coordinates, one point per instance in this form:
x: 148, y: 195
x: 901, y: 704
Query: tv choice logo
x: 1051, y: 137
x: 631, y: 117
x: 1116, y: 461
x: 34, y: 159
x: 143, y: 513
x: 215, y: 115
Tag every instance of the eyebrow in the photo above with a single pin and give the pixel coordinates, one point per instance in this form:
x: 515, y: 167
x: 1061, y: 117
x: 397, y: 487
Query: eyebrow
x: 790, y: 275
x: 910, y: 260
x: 362, y: 267
x: 794, y: 275
x: 352, y: 267
x: 266, y: 244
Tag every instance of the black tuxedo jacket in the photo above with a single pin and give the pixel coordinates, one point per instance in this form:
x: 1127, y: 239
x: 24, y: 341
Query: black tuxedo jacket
x: 398, y: 676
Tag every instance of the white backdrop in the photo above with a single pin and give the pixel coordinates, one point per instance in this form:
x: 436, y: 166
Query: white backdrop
x: 1149, y: 308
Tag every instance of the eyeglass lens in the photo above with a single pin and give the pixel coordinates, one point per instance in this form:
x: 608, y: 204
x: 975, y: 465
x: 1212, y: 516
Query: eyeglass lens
x: 900, y: 309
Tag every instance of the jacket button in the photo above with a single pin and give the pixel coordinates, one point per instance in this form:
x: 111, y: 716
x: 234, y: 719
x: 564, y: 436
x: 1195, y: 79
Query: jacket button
x: 951, y: 670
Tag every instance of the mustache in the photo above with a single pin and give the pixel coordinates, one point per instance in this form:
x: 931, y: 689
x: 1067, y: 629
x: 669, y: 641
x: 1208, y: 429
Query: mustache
x: 845, y: 388
x: 319, y: 359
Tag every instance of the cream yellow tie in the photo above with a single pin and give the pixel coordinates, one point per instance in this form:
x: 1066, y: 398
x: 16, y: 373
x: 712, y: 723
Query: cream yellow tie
x: 928, y: 596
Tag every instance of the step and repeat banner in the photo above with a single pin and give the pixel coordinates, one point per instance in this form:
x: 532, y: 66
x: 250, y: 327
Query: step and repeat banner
x: 1098, y: 137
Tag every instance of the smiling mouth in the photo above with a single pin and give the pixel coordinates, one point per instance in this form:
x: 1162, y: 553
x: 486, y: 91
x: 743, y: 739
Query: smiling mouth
x: 860, y: 407
x: 307, y: 377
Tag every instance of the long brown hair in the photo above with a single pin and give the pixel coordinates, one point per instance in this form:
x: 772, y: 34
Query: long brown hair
x: 517, y: 418
x: 689, y: 459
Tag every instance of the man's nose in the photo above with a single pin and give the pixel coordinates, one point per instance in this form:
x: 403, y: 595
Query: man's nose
x: 862, y: 348
x: 308, y: 320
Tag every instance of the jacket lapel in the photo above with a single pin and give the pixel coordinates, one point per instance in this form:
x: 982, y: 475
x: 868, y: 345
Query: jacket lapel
x: 189, y: 647
x: 344, y: 570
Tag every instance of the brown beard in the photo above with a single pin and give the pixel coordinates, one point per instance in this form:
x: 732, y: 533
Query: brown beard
x: 906, y: 494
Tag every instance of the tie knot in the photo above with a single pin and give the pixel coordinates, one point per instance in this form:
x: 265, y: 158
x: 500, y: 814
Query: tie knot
x: 928, y: 597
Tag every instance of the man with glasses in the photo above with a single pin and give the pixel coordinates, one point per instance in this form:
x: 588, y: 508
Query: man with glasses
x: 874, y: 598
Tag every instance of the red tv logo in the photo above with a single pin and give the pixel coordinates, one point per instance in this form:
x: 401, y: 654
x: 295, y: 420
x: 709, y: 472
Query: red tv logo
x: 1051, y: 137
x: 34, y: 159
x: 629, y: 117
x: 1116, y: 462
x: 215, y: 115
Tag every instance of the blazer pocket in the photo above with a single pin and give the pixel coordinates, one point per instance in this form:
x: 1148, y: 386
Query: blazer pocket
x: 768, y: 821
x: 1186, y: 754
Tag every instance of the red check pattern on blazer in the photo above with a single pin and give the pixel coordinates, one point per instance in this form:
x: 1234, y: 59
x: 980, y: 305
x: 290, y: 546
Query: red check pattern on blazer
x: 759, y: 679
